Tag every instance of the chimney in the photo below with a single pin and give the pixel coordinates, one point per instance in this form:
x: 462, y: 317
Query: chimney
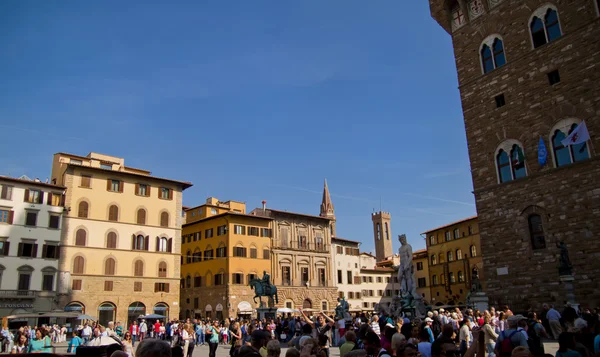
x: 264, y: 205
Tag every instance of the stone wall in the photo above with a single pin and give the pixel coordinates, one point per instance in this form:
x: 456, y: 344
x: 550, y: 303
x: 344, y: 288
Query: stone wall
x: 317, y: 295
x: 567, y: 198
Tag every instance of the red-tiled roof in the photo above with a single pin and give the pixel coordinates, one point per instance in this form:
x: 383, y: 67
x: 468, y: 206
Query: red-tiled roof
x: 230, y: 213
x: 258, y: 213
x: 184, y: 184
x: 345, y: 240
x: 32, y: 182
x: 451, y: 224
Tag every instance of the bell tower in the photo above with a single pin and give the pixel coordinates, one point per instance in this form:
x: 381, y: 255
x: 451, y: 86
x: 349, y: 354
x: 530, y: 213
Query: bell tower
x: 327, y: 209
x: 382, y: 234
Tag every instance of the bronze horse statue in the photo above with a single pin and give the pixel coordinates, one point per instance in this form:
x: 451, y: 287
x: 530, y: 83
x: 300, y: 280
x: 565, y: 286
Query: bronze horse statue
x: 259, y: 291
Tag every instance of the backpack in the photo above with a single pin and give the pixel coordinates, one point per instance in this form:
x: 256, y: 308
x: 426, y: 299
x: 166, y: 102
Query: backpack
x: 506, y: 346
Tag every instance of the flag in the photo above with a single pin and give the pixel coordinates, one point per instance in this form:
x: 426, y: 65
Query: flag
x: 577, y: 136
x: 542, y: 153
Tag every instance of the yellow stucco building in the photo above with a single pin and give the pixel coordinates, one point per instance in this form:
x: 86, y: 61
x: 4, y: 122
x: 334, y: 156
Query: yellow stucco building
x: 121, y: 238
x: 454, y: 252
x: 421, y: 269
x: 223, y: 249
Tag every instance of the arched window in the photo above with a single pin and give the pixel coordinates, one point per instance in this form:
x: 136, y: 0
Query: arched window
x: 78, y: 265
x: 492, y: 54
x: 450, y: 256
x: 451, y: 278
x: 197, y: 256
x: 111, y: 240
x: 433, y: 260
x: 162, y: 270
x: 458, y: 254
x: 387, y: 235
x: 164, y: 219
x: 378, y: 231
x: 188, y: 256
x: 545, y: 27
x: 80, y: 237
x: 140, y: 242
x: 138, y: 268
x: 510, y: 167
x: 162, y: 244
x: 536, y: 232
x: 434, y: 280
x: 141, y: 216
x: 109, y: 266
x: 82, y: 211
x: 441, y: 258
x: 113, y: 213
x: 461, y: 276
x: 431, y: 240
x: 564, y: 155
x: 188, y: 281
x: 473, y: 251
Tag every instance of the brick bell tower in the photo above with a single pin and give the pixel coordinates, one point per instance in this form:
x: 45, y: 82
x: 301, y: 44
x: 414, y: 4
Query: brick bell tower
x: 382, y: 234
x: 327, y: 209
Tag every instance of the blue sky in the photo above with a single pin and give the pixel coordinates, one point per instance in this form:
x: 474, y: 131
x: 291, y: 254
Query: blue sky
x: 249, y: 100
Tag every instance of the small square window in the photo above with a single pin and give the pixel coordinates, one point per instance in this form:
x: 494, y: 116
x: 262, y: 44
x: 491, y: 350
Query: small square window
x: 31, y: 219
x: 553, y: 77
x: 106, y: 166
x: 54, y: 222
x: 500, y: 101
x: 213, y: 211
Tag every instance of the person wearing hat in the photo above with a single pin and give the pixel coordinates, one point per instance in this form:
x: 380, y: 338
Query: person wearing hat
x: 512, y: 334
x: 428, y: 324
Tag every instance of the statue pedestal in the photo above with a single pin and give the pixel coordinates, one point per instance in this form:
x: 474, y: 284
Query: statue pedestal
x: 266, y: 312
x: 480, y: 301
x: 567, y: 280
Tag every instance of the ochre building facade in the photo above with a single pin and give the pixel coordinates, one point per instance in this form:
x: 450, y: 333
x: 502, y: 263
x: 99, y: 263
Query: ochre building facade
x: 120, y: 242
x: 528, y: 73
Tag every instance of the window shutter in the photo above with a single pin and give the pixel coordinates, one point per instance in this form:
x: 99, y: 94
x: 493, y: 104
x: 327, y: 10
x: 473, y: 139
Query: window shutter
x: 147, y: 243
x: 108, y: 182
x: 170, y: 245
x: 41, y: 197
x: 6, y: 248
x: 157, y: 243
x: 121, y: 184
x: 133, y: 242
x: 159, y: 191
x: 11, y: 215
x: 26, y: 198
x: 170, y: 194
x: 147, y: 190
x: 49, y: 200
x: 44, y: 250
x: 34, y: 251
x: 156, y: 287
x: 167, y: 287
x: 20, y: 250
x: 137, y: 188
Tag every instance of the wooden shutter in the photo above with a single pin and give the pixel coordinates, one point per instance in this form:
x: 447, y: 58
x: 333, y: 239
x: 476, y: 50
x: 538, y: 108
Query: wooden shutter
x: 11, y: 215
x: 20, y: 250
x: 108, y: 182
x: 44, y: 250
x: 34, y: 251
x: 170, y: 194
x: 147, y: 190
x: 159, y: 192
x: 41, y: 197
x: 121, y: 185
x: 6, y: 248
x: 156, y: 287
x: 26, y: 198
x: 49, y: 200
x: 137, y: 188
x: 147, y: 243
x: 133, y: 242
x: 157, y: 243
x: 170, y: 245
x: 166, y: 287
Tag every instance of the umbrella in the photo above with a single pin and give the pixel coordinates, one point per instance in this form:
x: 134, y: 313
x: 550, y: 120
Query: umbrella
x: 152, y: 317
x: 85, y: 317
x: 104, y: 341
x: 286, y: 310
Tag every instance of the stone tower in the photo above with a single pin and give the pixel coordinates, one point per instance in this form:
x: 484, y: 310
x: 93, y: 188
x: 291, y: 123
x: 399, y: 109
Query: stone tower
x: 382, y: 234
x: 327, y: 209
x: 528, y: 78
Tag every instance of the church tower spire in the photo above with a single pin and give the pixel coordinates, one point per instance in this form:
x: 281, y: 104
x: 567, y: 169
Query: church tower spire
x: 327, y: 209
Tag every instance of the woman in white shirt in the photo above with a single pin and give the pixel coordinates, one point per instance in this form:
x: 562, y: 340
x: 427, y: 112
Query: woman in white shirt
x: 185, y: 336
x: 465, y: 336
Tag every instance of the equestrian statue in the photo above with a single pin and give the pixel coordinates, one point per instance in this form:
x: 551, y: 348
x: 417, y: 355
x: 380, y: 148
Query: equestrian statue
x: 263, y: 287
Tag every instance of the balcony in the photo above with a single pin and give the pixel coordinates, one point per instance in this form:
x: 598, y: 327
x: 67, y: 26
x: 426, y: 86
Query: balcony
x: 20, y: 294
x: 301, y: 245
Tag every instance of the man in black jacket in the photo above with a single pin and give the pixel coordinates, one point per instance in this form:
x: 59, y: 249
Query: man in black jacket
x: 260, y: 338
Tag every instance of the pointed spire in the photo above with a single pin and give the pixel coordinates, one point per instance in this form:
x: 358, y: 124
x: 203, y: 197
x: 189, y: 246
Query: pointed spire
x: 327, y: 209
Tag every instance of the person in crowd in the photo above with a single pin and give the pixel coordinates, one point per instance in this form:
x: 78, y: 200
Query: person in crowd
x: 273, y: 349
x: 350, y: 343
x: 372, y: 345
x: 322, y: 327
x: 386, y: 337
x: 41, y: 342
x: 490, y: 335
x: 398, y: 340
x: 427, y: 326
x: 259, y: 339
x: 7, y: 338
x: 75, y: 342
x: 128, y: 343
x: 21, y: 344
x: 152, y: 347
x: 292, y: 352
x: 199, y: 333
x: 445, y: 338
x: 424, y: 346
x: 134, y: 331
x: 212, y: 332
x: 408, y: 350
x: 143, y: 329
x: 512, y: 335
x: 119, y: 330
x: 86, y: 333
x: 566, y: 345
x: 464, y: 335
x: 554, y: 317
x: 375, y: 325
x: 236, y: 338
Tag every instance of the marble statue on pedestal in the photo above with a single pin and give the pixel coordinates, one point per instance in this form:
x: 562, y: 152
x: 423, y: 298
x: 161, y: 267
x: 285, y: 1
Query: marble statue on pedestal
x: 405, y: 271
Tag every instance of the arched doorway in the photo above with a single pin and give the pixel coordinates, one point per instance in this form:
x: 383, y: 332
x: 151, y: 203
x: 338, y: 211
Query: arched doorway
x: 135, y: 309
x: 75, y: 307
x: 219, y: 310
x: 106, y: 312
x: 307, y: 304
x: 161, y: 308
x: 208, y: 311
x: 245, y: 310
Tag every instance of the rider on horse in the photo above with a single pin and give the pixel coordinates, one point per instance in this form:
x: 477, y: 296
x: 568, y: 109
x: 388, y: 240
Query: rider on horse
x: 266, y: 283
